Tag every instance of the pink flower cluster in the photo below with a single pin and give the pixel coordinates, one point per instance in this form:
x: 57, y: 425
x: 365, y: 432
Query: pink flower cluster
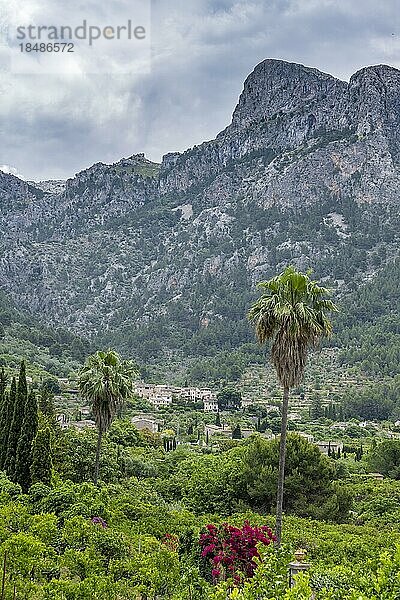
x: 232, y: 550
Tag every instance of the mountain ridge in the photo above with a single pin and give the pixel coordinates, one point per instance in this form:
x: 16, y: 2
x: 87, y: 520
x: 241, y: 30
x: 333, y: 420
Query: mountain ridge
x: 150, y: 256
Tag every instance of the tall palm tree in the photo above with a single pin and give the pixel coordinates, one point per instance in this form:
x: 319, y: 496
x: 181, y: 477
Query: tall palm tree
x: 292, y: 314
x: 105, y: 382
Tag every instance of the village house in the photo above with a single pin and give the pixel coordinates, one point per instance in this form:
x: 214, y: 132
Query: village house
x: 190, y: 394
x: 144, y: 390
x: 211, y: 405
x: 145, y: 421
x: 160, y: 401
x: 330, y: 447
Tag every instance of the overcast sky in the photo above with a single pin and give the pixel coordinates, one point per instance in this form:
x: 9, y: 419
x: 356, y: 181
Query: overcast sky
x: 52, y: 126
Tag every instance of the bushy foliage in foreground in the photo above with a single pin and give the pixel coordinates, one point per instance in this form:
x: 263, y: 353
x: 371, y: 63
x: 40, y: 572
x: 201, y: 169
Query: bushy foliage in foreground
x: 74, y: 541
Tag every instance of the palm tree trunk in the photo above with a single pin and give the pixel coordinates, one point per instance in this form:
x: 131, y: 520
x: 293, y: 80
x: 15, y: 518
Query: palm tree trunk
x: 97, y: 461
x: 281, y: 475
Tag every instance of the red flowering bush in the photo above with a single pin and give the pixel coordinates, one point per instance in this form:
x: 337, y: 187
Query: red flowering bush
x: 232, y: 550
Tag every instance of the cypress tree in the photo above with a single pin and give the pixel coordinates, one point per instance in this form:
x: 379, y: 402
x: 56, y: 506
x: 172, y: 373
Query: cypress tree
x: 16, y: 424
x: 23, y: 459
x: 218, y: 420
x: 7, y: 410
x: 236, y: 433
x: 47, y: 408
x: 3, y: 404
x: 3, y: 384
x: 42, y: 460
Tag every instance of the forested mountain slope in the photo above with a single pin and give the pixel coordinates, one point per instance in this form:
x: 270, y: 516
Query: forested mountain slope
x: 47, y: 350
x: 163, y: 259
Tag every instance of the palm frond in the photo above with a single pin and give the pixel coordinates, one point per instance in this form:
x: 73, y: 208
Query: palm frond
x: 106, y: 382
x: 292, y: 313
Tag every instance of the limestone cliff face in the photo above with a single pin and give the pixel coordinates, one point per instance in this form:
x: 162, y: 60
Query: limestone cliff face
x: 276, y: 88
x: 307, y: 172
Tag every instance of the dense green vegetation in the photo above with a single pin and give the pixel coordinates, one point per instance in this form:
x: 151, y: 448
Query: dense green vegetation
x: 368, y: 326
x: 137, y: 534
x: 48, y: 351
x: 366, y: 331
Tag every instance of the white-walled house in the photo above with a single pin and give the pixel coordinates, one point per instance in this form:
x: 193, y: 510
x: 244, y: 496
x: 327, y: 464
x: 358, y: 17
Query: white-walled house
x: 210, y: 405
x: 160, y: 401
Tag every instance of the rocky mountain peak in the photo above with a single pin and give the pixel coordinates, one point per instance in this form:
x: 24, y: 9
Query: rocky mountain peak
x: 279, y: 87
x: 377, y: 74
x: 374, y: 93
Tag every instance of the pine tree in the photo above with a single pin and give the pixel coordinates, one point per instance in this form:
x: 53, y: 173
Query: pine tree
x: 16, y: 424
x: 6, y: 416
x: 23, y: 458
x: 42, y: 460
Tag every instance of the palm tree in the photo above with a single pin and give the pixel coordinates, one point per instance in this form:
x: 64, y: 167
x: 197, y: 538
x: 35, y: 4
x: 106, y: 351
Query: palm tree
x: 105, y: 382
x: 292, y: 314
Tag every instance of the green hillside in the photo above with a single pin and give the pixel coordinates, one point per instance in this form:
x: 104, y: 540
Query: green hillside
x: 51, y: 351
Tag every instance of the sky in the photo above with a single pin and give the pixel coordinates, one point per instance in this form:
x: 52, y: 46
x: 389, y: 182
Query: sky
x: 177, y: 89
